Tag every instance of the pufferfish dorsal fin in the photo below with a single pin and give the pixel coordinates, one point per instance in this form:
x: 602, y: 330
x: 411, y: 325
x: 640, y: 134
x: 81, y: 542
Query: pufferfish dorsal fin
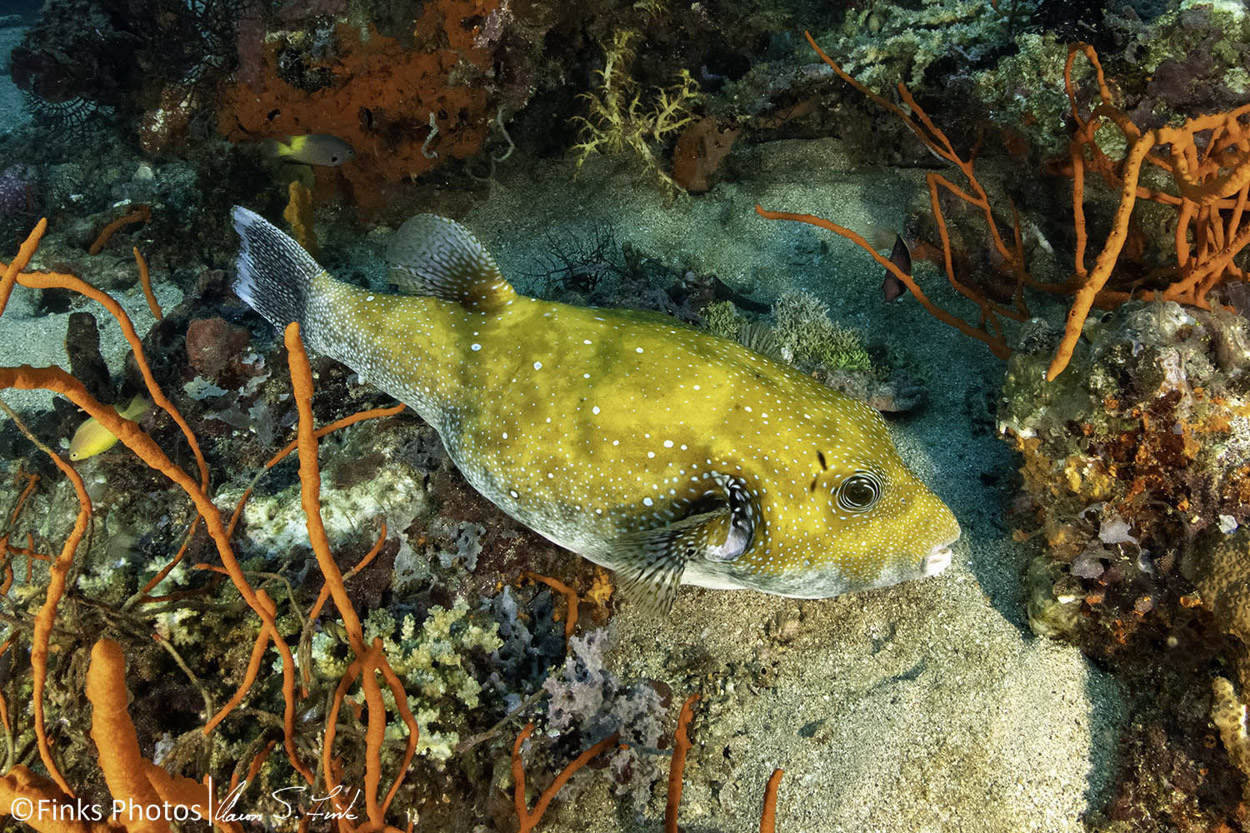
x: 435, y: 256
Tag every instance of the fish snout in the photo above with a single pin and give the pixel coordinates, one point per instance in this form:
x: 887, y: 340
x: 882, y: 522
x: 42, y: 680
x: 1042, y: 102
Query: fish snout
x: 939, y: 556
x: 937, y: 560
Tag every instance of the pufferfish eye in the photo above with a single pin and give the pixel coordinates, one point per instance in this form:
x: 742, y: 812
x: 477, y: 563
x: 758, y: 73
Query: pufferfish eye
x: 859, y: 492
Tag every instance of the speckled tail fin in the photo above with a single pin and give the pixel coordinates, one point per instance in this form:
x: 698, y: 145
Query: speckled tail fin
x: 432, y: 255
x: 274, y: 272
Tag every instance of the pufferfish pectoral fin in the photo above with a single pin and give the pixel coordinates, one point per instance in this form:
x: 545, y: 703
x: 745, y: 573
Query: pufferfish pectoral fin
x: 649, y: 564
x: 721, y: 525
x: 436, y: 256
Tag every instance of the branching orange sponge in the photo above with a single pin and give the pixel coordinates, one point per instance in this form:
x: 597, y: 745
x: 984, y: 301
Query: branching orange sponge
x: 1207, y: 159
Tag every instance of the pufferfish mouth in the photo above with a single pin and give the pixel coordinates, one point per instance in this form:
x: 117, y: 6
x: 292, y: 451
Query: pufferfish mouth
x: 938, y: 559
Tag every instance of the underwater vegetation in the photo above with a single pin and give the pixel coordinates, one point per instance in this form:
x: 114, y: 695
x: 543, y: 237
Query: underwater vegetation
x: 619, y: 118
x: 1206, y: 164
x: 417, y: 651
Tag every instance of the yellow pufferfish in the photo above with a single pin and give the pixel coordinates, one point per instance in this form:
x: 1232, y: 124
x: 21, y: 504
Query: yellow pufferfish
x: 654, y: 449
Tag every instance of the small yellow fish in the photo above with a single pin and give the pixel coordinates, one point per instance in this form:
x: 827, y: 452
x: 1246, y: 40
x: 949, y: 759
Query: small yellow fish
x: 651, y: 448
x: 315, y: 149
x: 92, y: 438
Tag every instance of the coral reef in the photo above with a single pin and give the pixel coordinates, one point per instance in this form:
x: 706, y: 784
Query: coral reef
x: 1220, y: 570
x: 1134, y: 465
x: 405, y: 106
x: 806, y: 334
x: 1205, y: 164
x: 148, y: 63
x: 722, y: 319
x: 1132, y: 462
x: 886, y: 44
x: 1195, y: 60
x: 431, y: 661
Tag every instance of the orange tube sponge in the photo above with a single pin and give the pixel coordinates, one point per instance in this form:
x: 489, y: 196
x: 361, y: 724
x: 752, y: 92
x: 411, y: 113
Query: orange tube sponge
x: 142, y: 214
x: 23, y: 788
x: 370, y: 659
x: 677, y: 766
x: 298, y: 214
x: 125, y: 770
x: 44, y: 619
x: 15, y: 267
x: 133, y: 437
x: 768, y: 818
x: 56, y: 280
x: 145, y: 281
x: 529, y: 818
x: 131, y: 778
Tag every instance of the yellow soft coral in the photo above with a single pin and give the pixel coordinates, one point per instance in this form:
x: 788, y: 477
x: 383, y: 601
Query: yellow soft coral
x: 619, y: 118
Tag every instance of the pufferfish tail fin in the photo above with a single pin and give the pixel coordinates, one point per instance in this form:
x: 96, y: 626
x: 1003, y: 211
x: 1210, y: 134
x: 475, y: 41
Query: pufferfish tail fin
x: 274, y: 272
x: 435, y: 256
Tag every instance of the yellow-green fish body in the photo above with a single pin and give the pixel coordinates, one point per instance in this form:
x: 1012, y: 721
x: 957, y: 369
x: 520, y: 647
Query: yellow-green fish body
x: 92, y: 438
x: 649, y: 447
x: 315, y: 149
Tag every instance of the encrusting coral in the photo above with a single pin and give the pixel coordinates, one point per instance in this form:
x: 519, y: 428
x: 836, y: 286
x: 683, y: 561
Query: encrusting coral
x: 403, y: 109
x: 1228, y: 714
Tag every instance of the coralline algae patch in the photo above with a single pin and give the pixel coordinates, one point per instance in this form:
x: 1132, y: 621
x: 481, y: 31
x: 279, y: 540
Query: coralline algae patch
x: 360, y: 489
x: 430, y: 657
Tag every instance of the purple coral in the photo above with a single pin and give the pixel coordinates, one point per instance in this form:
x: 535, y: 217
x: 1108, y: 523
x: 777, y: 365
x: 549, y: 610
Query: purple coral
x: 17, y: 191
x: 594, y: 702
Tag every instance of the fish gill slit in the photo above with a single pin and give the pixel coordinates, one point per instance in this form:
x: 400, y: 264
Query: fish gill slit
x: 820, y: 455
